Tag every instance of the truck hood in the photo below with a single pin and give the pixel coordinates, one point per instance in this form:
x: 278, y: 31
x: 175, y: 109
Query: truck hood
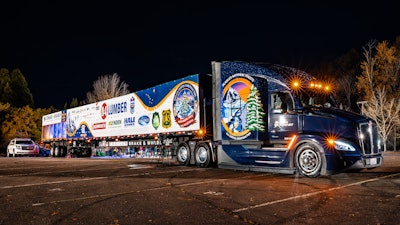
x: 338, y: 114
x: 331, y: 121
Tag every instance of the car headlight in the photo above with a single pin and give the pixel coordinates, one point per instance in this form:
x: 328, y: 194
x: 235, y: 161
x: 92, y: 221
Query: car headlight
x: 342, y: 146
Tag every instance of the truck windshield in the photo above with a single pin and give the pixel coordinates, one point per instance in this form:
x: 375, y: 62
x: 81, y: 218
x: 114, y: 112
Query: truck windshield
x: 316, y: 99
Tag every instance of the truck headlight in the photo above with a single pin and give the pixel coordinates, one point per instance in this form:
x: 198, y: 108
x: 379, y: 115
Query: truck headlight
x: 342, y: 146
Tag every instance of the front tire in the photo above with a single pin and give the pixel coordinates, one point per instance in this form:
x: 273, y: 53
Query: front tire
x: 308, y: 160
x: 202, y: 155
x: 183, y: 154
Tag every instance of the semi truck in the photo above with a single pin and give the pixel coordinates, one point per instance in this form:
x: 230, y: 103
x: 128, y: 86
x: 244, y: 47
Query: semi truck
x: 260, y: 117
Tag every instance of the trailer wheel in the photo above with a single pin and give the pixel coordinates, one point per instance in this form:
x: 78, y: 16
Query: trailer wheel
x: 202, y: 155
x: 308, y: 160
x: 57, y: 151
x: 63, y: 151
x: 183, y: 154
x: 52, y: 150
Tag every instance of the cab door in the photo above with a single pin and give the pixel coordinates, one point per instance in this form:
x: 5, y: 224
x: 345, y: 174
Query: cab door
x: 283, y: 122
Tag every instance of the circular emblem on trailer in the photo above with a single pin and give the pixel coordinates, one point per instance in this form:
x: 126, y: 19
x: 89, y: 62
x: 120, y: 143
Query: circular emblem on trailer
x: 185, y: 105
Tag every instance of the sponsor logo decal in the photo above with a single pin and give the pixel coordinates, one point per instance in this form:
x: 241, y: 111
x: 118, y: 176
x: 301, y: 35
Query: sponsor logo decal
x: 166, y: 118
x: 129, y: 121
x: 99, y: 126
x: 103, y: 111
x: 156, y: 120
x: 132, y: 105
x: 144, y: 120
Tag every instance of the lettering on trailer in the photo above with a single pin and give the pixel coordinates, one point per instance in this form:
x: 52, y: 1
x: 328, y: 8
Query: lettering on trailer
x: 117, y: 108
x: 135, y: 143
x: 129, y: 121
x: 117, y: 143
x: 51, y: 116
x: 114, y: 123
x: 144, y: 143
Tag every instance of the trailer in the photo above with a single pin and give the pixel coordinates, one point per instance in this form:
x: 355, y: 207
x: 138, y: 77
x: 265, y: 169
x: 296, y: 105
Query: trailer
x: 244, y: 116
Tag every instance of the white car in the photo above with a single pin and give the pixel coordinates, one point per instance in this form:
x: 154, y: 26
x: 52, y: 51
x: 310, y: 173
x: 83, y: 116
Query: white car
x: 22, y: 146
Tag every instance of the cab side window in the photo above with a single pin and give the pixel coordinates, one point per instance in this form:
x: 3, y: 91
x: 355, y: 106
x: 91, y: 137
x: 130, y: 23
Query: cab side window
x: 281, y: 102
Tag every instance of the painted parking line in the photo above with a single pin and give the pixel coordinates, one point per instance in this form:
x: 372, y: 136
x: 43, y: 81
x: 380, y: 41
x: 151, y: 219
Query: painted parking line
x: 131, y: 166
x: 142, y: 190
x: 139, y: 166
x: 88, y: 179
x: 52, y: 172
x: 313, y: 193
x: 124, y: 193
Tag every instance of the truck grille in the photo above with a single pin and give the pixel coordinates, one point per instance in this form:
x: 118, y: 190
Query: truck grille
x: 369, y: 139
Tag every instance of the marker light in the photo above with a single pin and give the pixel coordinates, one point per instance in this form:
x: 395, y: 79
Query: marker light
x: 292, y: 141
x: 295, y: 84
x: 200, y: 133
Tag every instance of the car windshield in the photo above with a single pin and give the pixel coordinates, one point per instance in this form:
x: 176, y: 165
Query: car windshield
x: 24, y: 142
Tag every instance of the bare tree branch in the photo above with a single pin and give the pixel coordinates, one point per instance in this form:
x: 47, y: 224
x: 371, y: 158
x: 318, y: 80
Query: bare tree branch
x: 106, y: 87
x: 379, y: 83
x: 385, y: 112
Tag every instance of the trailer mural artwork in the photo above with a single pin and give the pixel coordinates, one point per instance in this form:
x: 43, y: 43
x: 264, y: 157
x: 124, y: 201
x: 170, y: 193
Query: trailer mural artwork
x: 245, y: 116
x: 241, y: 110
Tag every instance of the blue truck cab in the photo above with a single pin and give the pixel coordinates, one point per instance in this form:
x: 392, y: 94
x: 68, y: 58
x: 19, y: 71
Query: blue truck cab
x: 274, y: 118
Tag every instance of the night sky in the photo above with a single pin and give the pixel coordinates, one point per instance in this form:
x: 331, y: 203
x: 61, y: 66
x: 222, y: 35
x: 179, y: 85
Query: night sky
x: 62, y: 48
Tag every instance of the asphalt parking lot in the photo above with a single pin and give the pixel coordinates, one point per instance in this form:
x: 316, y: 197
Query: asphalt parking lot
x: 39, y: 190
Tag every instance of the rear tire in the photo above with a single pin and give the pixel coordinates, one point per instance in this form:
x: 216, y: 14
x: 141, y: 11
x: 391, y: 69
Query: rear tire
x: 52, y: 150
x: 202, y: 155
x: 57, y: 151
x: 183, y: 154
